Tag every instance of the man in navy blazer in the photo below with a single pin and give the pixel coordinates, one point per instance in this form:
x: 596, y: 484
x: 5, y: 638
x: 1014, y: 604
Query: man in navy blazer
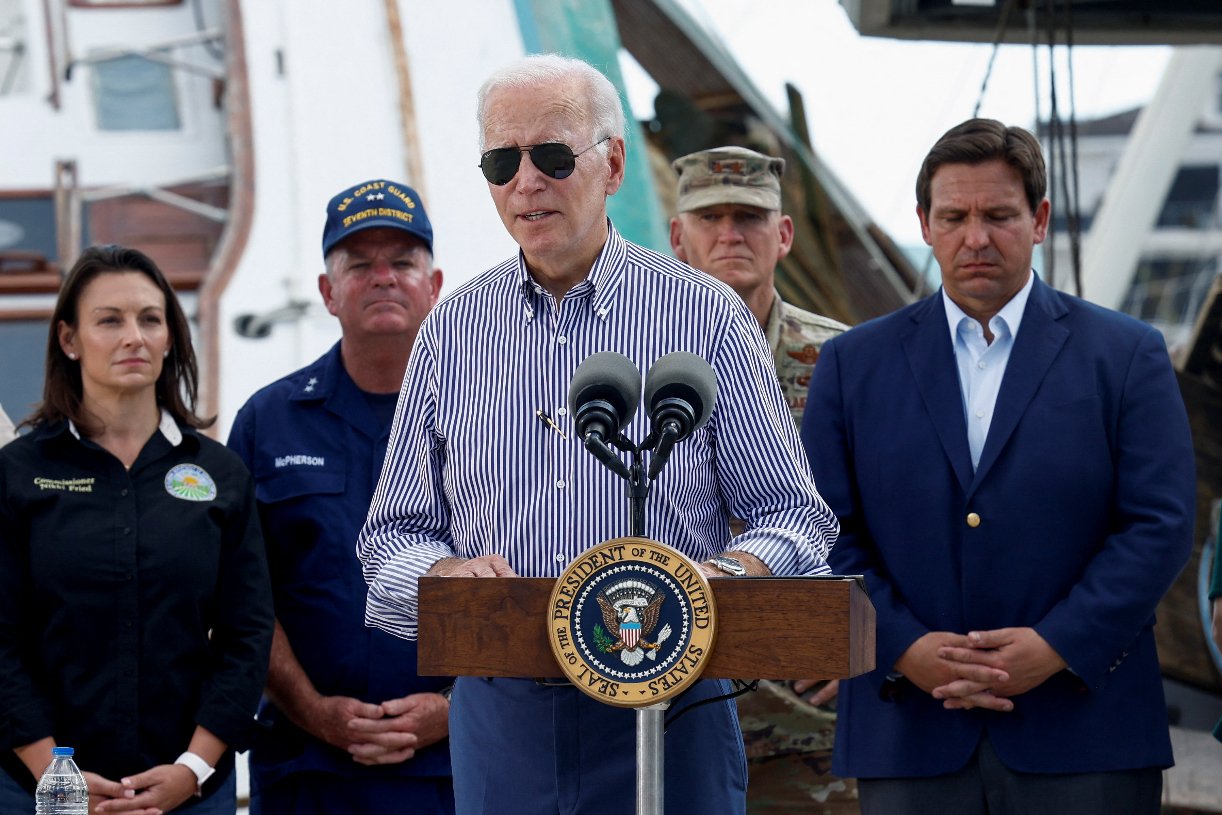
x: 1013, y: 473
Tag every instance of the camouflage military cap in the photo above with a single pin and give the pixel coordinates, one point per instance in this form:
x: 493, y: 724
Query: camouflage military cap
x: 729, y: 175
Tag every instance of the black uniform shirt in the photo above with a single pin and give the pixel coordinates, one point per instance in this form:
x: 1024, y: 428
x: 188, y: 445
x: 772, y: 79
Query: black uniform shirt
x: 134, y: 605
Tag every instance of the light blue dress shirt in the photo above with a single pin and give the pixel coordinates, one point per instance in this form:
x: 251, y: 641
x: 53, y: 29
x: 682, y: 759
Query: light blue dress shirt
x: 983, y: 364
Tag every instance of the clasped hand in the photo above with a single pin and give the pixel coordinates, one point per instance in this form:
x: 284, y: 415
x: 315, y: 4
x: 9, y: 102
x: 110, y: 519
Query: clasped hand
x: 386, y: 733
x: 982, y: 669
x: 152, y: 792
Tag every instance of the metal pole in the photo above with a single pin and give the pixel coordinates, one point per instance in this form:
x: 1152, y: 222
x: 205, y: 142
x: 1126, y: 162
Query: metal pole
x: 650, y: 759
x: 651, y: 720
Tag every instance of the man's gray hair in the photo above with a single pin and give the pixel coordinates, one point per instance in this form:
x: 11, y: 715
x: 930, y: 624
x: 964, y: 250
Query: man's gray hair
x: 602, y: 100
x: 332, y: 260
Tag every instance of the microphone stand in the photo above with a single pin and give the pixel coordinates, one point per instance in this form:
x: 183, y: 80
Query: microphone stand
x: 638, y: 491
x: 667, y: 412
x: 651, y: 719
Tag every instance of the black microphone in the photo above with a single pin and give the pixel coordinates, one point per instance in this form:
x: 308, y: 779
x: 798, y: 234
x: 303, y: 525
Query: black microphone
x: 603, y: 396
x: 680, y: 393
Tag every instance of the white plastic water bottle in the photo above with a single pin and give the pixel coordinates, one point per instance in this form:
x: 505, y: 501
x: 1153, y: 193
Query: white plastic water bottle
x: 62, y: 789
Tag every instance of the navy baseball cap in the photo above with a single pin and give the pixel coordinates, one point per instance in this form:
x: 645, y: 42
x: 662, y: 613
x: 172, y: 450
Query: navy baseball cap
x: 376, y: 203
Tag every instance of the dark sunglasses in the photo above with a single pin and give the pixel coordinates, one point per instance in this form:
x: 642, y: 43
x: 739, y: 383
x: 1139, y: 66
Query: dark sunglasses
x: 553, y: 159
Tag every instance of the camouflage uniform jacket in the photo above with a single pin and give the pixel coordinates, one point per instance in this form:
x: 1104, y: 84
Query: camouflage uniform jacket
x: 795, y: 337
x: 788, y: 742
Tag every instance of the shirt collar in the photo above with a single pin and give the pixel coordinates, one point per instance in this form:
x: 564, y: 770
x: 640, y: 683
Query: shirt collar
x: 1011, y: 313
x: 168, y: 427
x: 602, y: 281
x: 772, y: 330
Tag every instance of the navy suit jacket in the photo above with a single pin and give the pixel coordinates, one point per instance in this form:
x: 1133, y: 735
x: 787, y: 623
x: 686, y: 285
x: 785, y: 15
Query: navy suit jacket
x: 1085, y: 499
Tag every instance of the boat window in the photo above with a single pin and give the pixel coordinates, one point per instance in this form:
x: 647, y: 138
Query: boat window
x: 14, y: 50
x: 135, y: 93
x: 1192, y: 199
x: 24, y: 341
x: 1168, y: 292
x: 27, y: 230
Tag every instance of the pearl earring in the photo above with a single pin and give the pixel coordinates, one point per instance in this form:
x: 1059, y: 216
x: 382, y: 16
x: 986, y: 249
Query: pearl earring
x: 72, y: 356
x: 165, y: 354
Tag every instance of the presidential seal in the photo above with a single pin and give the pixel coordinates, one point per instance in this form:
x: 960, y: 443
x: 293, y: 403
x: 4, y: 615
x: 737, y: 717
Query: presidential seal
x: 632, y: 622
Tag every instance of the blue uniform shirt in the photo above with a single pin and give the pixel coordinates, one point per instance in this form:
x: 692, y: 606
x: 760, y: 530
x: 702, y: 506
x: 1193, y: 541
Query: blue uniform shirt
x: 315, y: 447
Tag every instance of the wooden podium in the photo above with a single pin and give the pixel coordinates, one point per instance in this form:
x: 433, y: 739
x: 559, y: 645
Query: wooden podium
x: 767, y: 628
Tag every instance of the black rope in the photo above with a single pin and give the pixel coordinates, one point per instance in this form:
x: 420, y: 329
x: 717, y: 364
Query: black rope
x: 1073, y: 209
x: 742, y: 686
x: 1063, y: 152
x: 998, y: 33
x: 1055, y: 143
x: 1033, y: 35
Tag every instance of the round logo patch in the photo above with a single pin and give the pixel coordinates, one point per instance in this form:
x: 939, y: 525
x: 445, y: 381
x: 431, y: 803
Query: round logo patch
x: 632, y: 622
x: 190, y: 483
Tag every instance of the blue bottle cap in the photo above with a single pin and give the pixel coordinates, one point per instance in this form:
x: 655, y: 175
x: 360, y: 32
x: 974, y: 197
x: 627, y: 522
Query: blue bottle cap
x: 57, y: 752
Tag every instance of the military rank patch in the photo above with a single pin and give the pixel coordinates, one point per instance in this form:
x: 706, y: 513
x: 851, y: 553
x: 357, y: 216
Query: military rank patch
x: 632, y: 622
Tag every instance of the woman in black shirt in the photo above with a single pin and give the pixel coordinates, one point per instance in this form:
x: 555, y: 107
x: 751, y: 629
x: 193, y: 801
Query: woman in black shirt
x: 135, y: 613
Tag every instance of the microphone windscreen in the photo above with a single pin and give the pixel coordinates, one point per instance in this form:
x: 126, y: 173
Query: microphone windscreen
x: 609, y: 376
x: 685, y: 376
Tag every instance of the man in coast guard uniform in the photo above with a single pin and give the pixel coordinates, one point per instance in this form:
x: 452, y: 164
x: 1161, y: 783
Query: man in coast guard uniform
x: 1014, y: 475
x: 352, y: 728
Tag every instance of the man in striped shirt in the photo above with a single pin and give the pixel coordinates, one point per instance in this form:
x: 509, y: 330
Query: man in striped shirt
x: 475, y: 484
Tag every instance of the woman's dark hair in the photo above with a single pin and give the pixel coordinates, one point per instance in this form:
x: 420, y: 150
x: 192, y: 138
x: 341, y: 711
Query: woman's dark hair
x: 979, y: 140
x: 177, y: 386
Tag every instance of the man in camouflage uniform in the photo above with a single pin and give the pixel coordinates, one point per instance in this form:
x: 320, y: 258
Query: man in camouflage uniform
x: 730, y: 225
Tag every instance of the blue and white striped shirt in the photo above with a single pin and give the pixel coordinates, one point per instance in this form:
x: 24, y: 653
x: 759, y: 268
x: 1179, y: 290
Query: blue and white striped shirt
x: 472, y: 471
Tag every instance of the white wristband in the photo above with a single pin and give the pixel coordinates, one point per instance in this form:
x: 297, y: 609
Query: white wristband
x: 197, y: 765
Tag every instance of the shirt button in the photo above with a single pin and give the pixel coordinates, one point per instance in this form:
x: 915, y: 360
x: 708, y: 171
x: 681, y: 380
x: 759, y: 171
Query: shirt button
x: 562, y: 339
x: 563, y: 411
x: 559, y: 558
x: 123, y: 492
x: 973, y: 520
x: 980, y: 414
x: 560, y: 485
x: 127, y: 530
x: 980, y: 365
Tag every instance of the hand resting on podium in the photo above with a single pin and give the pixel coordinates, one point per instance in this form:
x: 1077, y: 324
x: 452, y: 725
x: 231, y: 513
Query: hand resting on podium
x: 484, y: 566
